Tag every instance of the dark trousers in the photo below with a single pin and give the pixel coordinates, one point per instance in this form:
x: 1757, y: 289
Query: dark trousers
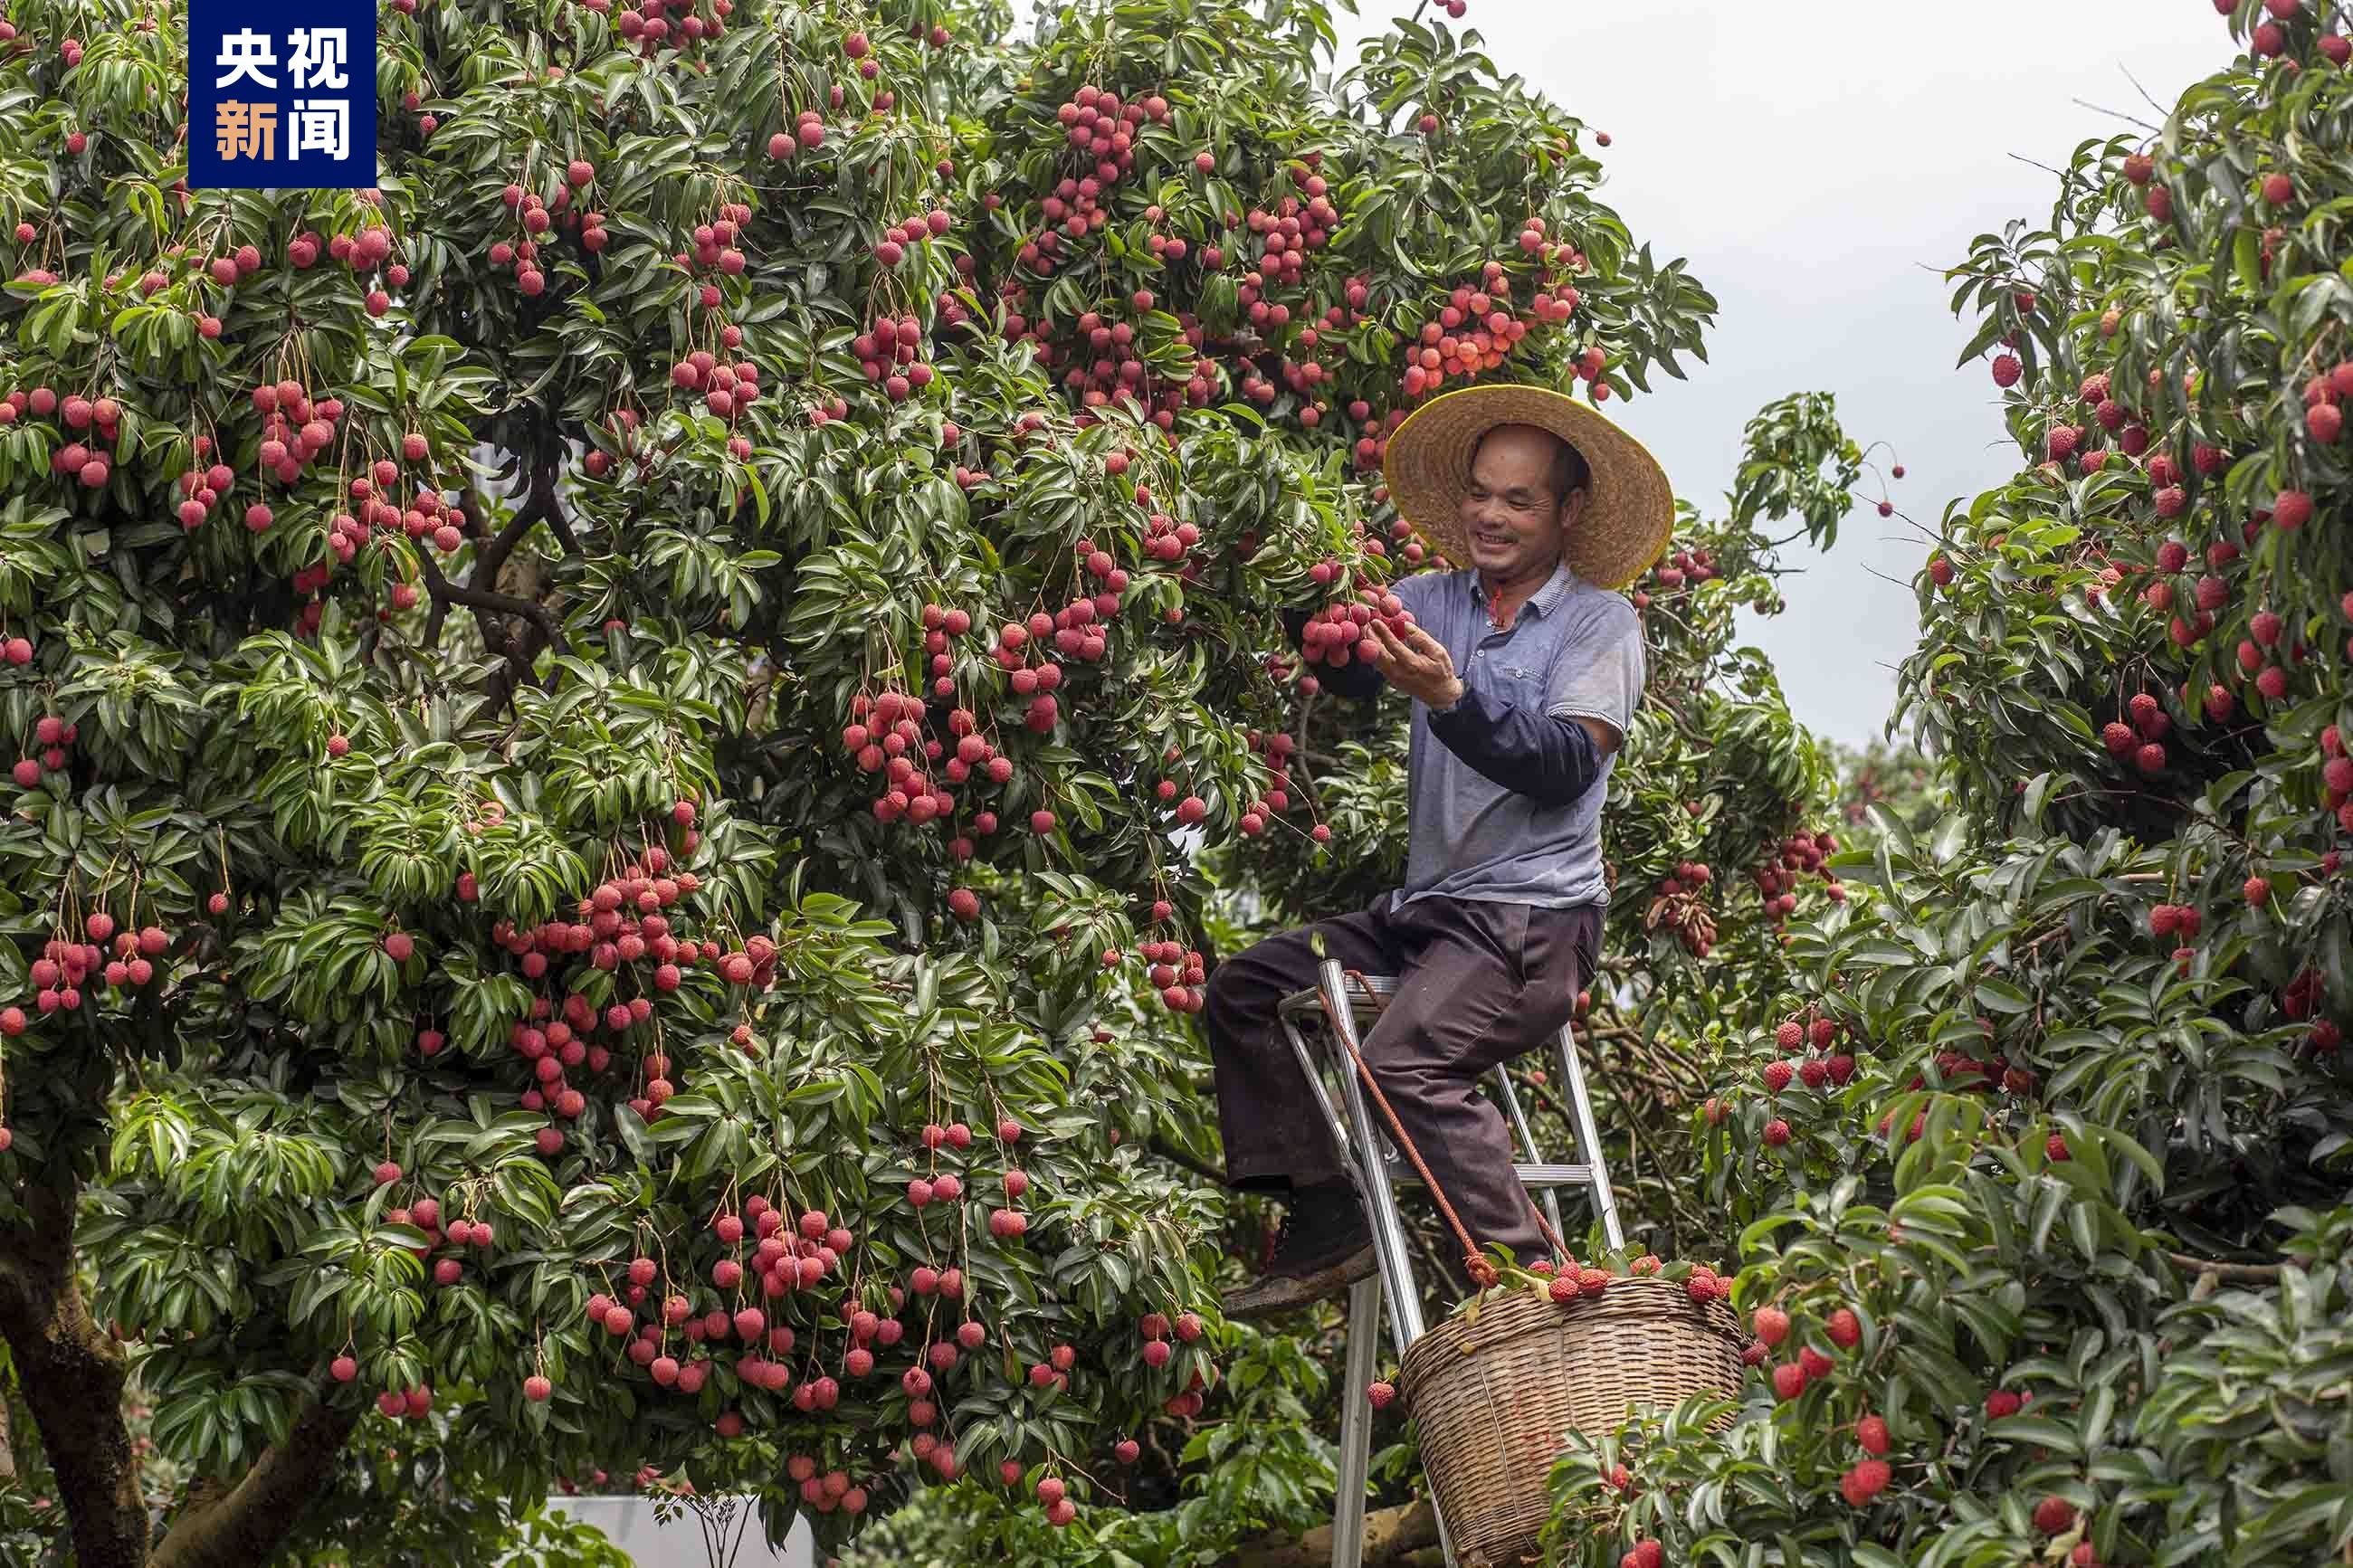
x: 1478, y: 983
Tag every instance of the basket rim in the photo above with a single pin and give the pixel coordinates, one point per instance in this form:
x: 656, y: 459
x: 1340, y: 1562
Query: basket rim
x: 1649, y: 1297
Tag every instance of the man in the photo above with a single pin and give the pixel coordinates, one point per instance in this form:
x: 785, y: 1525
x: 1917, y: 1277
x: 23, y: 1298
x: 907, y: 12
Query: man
x: 1526, y: 667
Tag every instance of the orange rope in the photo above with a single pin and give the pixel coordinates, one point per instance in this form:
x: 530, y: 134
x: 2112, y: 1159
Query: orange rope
x: 1474, y: 1262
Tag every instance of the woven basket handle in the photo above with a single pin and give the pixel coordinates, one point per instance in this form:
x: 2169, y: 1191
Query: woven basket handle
x: 1474, y: 1262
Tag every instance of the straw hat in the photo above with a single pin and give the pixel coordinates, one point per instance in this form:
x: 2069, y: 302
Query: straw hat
x: 1628, y: 517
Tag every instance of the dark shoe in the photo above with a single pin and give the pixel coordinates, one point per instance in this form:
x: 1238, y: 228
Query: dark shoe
x: 1275, y: 1293
x: 1324, y: 1247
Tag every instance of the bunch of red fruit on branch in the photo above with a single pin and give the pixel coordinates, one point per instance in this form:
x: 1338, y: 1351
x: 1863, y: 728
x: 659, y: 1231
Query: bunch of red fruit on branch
x: 890, y: 353
x: 120, y: 957
x: 2142, y: 741
x: 425, y: 1215
x: 727, y: 386
x: 1341, y: 632
x: 1681, y: 905
x: 1790, y: 1379
x: 1477, y: 330
x: 807, y: 134
x: 427, y: 516
x: 1817, y: 1064
x: 1177, y: 972
x: 714, y: 254
x: 620, y: 929
x: 90, y: 426
x: 648, y: 25
x: 900, y: 239
x: 52, y: 735
x: 2303, y: 996
x: 1674, y: 576
x: 624, y: 425
x: 1100, y: 132
x: 1799, y: 854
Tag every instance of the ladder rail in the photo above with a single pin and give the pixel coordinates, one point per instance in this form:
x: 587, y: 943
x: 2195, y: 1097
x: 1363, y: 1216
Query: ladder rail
x: 1375, y: 1170
x: 1388, y: 1231
x: 1589, y: 1138
x: 1357, y: 1423
x: 1547, y: 1194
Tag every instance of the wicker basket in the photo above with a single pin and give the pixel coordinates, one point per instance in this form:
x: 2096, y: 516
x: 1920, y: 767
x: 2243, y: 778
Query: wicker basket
x: 1493, y: 1399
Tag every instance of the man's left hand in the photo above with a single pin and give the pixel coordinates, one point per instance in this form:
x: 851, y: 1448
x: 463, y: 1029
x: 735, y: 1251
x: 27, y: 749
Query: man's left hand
x: 1417, y: 664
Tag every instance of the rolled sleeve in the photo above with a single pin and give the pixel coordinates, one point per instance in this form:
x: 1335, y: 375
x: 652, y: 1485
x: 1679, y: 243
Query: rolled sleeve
x: 1600, y: 672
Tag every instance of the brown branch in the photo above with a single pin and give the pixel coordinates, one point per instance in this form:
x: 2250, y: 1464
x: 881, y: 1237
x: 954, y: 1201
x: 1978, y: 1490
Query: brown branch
x: 1392, y: 1537
x: 540, y: 506
x: 2265, y: 1272
x: 486, y: 599
x: 245, y: 1525
x: 1176, y: 1156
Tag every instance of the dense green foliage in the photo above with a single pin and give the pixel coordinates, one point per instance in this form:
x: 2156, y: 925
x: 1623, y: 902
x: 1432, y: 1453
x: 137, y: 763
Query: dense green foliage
x: 2083, y: 1201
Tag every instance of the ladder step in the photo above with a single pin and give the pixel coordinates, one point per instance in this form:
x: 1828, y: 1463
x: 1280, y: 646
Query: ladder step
x: 1532, y: 1176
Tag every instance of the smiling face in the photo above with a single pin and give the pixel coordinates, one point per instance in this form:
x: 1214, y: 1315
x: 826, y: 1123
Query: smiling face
x: 1526, y: 490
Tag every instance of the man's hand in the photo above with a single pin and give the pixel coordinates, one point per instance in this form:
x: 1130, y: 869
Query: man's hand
x: 1417, y: 664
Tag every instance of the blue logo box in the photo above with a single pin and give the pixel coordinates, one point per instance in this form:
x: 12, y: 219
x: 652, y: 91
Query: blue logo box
x: 281, y: 96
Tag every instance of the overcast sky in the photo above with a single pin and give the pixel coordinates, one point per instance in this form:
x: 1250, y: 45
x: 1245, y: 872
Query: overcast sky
x: 1820, y: 167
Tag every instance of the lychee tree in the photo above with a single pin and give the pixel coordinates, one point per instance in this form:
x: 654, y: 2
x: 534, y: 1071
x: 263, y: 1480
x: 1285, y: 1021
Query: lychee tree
x: 2064, y: 1270
x: 615, y: 736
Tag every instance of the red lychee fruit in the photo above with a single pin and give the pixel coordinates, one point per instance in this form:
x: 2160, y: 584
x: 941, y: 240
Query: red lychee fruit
x: 1864, y: 1482
x: 2054, y: 1514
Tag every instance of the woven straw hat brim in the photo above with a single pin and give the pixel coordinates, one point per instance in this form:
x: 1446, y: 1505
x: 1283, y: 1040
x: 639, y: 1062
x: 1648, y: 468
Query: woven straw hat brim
x: 1628, y: 519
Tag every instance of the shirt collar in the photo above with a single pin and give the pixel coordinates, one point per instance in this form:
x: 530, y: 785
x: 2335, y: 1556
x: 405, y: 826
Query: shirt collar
x: 1555, y: 588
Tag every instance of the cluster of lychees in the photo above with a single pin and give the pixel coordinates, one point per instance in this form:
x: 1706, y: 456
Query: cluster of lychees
x: 1799, y: 854
x: 1477, y: 330
x: 118, y: 957
x: 535, y: 216
x: 1676, y: 576
x: 1340, y: 634
x: 52, y: 737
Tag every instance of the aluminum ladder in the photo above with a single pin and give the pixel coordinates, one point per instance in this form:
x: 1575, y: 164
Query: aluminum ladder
x: 1376, y: 1171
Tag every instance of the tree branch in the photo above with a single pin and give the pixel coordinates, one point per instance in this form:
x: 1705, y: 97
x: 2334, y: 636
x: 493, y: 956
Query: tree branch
x: 2267, y: 1273
x: 487, y: 599
x: 245, y: 1525
x: 1392, y: 1536
x: 1176, y: 1156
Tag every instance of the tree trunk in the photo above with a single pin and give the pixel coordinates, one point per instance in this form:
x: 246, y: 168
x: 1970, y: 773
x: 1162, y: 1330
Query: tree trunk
x: 1394, y: 1538
x: 71, y: 1373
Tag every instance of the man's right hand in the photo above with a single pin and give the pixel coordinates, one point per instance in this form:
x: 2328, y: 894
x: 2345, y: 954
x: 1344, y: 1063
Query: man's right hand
x: 1417, y: 664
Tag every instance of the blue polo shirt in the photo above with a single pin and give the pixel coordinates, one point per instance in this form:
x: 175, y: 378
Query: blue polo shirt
x: 1574, y: 650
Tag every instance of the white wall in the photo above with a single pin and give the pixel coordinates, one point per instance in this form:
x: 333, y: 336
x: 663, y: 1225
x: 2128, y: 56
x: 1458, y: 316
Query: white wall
x: 629, y: 1523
